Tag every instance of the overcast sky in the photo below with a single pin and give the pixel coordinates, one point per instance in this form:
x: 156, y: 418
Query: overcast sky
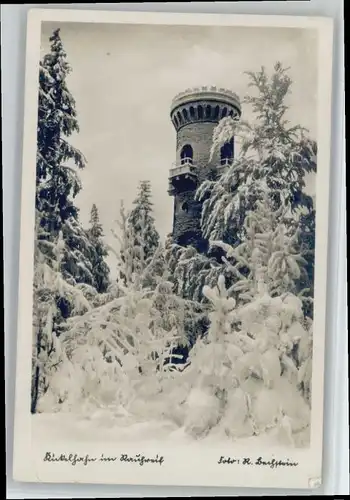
x: 124, y: 78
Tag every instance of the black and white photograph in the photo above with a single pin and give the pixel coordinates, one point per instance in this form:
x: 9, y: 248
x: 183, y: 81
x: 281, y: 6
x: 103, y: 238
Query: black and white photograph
x: 173, y: 259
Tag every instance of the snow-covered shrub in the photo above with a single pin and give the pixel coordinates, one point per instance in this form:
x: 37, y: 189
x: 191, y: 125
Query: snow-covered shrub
x: 271, y: 370
x: 52, y: 295
x: 245, y: 375
x: 129, y: 340
x: 210, y: 372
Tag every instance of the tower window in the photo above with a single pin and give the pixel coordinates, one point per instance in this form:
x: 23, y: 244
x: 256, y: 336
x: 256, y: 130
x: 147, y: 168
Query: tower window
x: 224, y: 113
x: 216, y: 112
x: 186, y: 154
x: 226, y: 153
x: 200, y: 112
x: 184, y: 206
x: 192, y: 114
x: 184, y: 112
x: 208, y: 111
x: 176, y: 122
x: 179, y: 117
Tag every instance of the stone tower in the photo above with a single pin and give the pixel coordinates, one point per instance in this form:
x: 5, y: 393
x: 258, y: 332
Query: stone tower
x: 194, y: 114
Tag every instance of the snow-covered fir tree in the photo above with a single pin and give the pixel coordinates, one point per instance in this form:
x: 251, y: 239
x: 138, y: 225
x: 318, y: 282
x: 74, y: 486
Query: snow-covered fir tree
x: 307, y: 235
x: 58, y: 163
x: 100, y: 268
x: 269, y: 252
x: 77, y: 265
x: 141, y: 220
x: 63, y: 278
x: 274, y: 159
x: 57, y: 180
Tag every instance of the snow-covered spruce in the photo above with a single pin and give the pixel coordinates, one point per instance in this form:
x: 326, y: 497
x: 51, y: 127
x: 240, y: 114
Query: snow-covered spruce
x: 141, y: 221
x: 58, y: 162
x: 274, y: 159
x: 64, y: 281
x: 57, y: 180
x: 269, y: 253
x: 100, y: 269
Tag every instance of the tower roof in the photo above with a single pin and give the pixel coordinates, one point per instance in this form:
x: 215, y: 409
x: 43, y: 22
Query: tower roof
x: 207, y: 93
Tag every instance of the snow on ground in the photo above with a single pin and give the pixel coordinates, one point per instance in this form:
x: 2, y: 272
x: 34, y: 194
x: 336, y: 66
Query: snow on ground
x: 59, y: 428
x: 187, y: 461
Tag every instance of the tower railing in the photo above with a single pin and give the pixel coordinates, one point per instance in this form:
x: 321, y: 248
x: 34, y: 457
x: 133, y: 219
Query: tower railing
x: 184, y: 166
x: 224, y: 165
x: 187, y: 160
x: 225, y: 162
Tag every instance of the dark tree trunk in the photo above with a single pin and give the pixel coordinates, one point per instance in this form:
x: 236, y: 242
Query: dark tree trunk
x: 35, y: 390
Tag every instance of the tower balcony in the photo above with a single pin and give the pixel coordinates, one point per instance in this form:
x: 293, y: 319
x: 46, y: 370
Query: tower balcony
x: 182, y: 176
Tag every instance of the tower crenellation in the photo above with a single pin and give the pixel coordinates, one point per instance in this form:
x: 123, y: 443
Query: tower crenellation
x: 195, y: 113
x: 218, y: 91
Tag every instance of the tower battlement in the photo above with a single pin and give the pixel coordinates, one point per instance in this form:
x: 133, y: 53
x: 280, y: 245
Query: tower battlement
x: 207, y: 91
x: 207, y: 103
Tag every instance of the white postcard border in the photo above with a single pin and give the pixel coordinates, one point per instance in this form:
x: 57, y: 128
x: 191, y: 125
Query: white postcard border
x: 28, y: 464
